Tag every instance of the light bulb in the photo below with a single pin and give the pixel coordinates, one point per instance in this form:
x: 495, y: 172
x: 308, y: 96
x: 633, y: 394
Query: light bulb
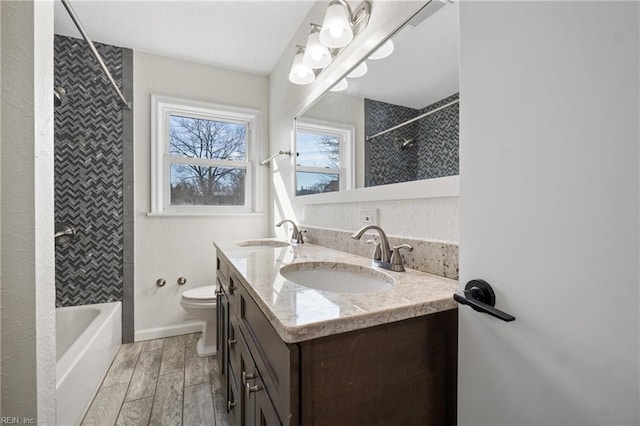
x: 316, y: 55
x: 336, y: 29
x: 300, y: 73
x: 336, y: 32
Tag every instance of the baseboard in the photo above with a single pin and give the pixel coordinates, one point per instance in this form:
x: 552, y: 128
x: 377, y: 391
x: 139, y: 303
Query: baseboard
x: 168, y: 331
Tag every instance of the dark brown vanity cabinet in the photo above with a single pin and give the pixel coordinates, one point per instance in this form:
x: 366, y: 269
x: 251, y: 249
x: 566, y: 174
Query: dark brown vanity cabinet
x: 400, y: 373
x: 253, y: 360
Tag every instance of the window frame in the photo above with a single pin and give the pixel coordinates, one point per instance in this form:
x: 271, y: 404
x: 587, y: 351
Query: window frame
x: 346, y: 133
x: 162, y: 108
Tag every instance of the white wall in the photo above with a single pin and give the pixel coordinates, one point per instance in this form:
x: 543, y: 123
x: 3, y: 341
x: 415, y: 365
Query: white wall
x: 27, y: 250
x: 170, y: 247
x: 287, y: 100
x: 550, y: 212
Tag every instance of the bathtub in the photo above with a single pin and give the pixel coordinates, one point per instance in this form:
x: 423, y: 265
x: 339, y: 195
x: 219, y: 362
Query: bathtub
x: 87, y: 339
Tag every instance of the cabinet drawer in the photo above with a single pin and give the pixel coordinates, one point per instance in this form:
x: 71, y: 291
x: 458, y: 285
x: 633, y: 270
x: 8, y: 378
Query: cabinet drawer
x: 222, y: 268
x: 233, y: 293
x: 272, y: 356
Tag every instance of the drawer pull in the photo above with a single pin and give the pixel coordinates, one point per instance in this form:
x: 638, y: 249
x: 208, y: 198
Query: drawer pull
x: 251, y: 389
x: 247, y: 376
x: 231, y: 342
x: 230, y: 405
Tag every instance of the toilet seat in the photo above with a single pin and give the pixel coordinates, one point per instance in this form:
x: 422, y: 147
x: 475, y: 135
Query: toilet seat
x: 201, y: 294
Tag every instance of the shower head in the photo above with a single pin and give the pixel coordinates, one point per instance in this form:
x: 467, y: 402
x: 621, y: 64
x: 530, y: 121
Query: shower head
x: 63, y: 234
x: 406, y: 143
x: 58, y: 94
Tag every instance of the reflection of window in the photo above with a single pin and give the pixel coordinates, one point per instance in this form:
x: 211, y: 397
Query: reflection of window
x: 202, y: 157
x: 324, y: 157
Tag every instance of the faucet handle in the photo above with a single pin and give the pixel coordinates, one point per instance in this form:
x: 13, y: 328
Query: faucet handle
x: 377, y: 254
x: 396, y: 257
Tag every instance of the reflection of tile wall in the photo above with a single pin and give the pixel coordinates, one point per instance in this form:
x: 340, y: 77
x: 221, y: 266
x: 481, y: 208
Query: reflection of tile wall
x: 435, y: 151
x: 427, y: 256
x: 91, y: 131
x: 438, y: 136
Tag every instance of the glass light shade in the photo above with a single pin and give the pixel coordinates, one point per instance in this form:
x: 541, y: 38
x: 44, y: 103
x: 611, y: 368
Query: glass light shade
x: 340, y: 86
x: 316, y: 55
x: 300, y: 73
x: 383, y: 51
x: 336, y: 29
x: 359, y: 71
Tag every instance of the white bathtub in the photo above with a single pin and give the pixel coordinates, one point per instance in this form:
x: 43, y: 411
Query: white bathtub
x: 87, y: 339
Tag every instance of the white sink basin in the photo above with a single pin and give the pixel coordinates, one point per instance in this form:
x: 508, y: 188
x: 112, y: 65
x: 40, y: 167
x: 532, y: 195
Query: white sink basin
x: 263, y: 243
x: 337, y: 277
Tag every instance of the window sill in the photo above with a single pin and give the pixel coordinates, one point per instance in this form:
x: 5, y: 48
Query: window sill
x: 202, y: 214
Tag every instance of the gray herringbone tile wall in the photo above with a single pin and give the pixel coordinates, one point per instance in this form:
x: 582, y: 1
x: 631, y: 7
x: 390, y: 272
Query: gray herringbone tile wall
x: 436, y: 142
x: 89, y: 139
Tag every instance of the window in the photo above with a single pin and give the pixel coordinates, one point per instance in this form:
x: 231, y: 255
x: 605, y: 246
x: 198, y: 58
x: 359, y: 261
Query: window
x: 324, y: 153
x: 203, y: 157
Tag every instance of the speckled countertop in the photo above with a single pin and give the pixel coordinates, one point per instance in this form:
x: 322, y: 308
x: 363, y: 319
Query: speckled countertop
x: 300, y: 313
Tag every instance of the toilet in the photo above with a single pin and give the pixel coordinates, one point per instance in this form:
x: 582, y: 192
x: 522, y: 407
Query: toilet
x: 200, y: 303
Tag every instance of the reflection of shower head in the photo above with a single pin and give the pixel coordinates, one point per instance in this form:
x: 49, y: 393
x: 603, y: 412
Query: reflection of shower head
x: 63, y: 234
x: 406, y: 143
x: 58, y: 94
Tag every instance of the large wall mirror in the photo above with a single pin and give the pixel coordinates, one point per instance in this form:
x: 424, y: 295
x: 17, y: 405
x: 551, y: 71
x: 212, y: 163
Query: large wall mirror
x: 393, y: 118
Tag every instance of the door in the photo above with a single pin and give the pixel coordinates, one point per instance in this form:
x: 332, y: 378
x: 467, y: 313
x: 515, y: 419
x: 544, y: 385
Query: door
x: 265, y: 413
x: 549, y: 200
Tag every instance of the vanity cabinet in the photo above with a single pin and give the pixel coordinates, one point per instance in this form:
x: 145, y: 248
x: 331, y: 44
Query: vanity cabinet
x: 254, y: 362
x: 403, y: 372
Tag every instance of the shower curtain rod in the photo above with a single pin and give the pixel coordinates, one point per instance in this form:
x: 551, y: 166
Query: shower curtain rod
x: 95, y: 52
x: 412, y: 120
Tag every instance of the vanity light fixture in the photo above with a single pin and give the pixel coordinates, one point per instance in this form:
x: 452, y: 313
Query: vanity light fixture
x: 340, y: 86
x: 316, y: 54
x: 300, y: 73
x: 359, y: 71
x: 383, y: 51
x: 340, y: 25
x: 336, y: 27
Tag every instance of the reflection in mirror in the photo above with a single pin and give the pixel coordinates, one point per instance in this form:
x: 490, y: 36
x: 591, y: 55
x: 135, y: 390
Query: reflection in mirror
x: 401, y: 109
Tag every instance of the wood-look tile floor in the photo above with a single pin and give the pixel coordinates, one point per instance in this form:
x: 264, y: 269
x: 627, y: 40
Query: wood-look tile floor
x: 160, y: 382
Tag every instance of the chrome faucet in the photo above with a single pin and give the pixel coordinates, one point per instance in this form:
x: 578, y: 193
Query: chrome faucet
x: 296, y: 235
x: 388, y: 259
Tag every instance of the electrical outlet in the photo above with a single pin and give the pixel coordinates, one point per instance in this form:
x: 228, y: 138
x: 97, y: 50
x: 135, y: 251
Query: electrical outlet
x: 369, y: 216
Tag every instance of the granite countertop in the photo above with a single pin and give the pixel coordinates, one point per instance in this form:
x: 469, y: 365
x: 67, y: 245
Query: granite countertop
x: 300, y: 313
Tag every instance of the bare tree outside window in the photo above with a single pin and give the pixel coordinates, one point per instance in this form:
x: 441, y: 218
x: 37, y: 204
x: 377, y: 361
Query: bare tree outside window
x: 200, y: 183
x: 330, y: 147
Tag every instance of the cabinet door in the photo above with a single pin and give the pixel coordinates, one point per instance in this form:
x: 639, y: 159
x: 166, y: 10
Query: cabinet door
x: 223, y: 329
x: 248, y: 373
x: 233, y: 401
x: 265, y: 413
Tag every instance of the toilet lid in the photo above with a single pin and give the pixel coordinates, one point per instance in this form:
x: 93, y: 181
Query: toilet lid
x: 201, y: 293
